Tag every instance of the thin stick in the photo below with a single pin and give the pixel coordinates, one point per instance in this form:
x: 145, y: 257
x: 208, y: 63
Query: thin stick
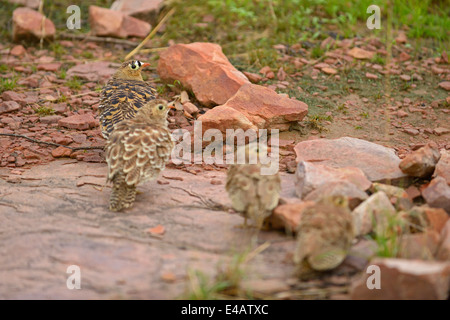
x: 72, y: 96
x: 257, y: 251
x: 272, y: 12
x: 50, y: 143
x: 209, y: 203
x: 151, y: 34
x: 86, y: 37
x: 37, y: 89
x: 41, y: 11
x: 62, y: 61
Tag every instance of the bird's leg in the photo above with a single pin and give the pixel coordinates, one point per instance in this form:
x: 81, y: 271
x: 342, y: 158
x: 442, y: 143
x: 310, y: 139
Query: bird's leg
x: 122, y: 196
x: 115, y: 200
x: 130, y: 196
x: 305, y: 272
x: 265, y: 226
x: 262, y: 226
x: 244, y: 225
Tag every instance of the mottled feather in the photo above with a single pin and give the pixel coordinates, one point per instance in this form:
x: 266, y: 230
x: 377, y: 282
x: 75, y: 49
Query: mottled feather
x: 135, y: 154
x: 123, y: 95
x: 324, y: 236
x: 251, y: 193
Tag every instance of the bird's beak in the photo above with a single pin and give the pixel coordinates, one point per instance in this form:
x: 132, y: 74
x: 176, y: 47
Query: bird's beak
x: 145, y: 65
x: 171, y: 106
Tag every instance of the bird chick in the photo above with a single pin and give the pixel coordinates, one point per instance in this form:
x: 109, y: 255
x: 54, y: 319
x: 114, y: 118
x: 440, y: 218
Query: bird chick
x: 123, y: 95
x: 137, y: 151
x: 252, y: 194
x: 324, y: 236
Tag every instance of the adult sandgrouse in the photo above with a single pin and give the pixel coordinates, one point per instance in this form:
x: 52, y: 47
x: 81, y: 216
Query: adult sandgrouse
x: 252, y: 194
x: 137, y: 151
x: 123, y: 95
x: 324, y: 236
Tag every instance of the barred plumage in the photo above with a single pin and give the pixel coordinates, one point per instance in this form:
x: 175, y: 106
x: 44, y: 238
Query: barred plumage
x: 252, y: 194
x: 137, y: 151
x: 324, y: 236
x: 123, y: 95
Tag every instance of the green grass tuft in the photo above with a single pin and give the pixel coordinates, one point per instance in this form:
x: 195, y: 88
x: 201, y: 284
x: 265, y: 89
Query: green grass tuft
x: 74, y: 83
x: 7, y: 84
x: 44, y: 111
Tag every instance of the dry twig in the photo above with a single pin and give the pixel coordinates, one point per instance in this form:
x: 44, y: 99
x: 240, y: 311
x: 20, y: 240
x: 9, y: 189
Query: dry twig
x: 86, y: 37
x: 151, y: 34
x: 209, y: 203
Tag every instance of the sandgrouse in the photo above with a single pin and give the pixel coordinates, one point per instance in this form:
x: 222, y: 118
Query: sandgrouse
x: 324, y: 236
x: 123, y: 95
x: 137, y: 151
x: 252, y: 194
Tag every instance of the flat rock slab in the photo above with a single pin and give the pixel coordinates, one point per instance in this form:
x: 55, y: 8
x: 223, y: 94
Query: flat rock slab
x: 55, y: 215
x: 379, y: 163
x: 310, y: 176
x: 266, y: 108
x: 403, y: 279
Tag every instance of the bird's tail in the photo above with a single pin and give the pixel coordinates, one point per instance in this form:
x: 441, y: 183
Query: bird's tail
x: 258, y: 215
x: 122, y: 195
x: 327, y: 259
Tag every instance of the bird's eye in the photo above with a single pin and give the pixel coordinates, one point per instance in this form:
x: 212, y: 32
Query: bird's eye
x: 133, y: 66
x: 160, y: 107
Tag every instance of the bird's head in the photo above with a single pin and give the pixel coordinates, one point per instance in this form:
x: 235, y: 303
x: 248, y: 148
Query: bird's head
x: 130, y: 70
x: 250, y: 153
x: 154, y: 111
x: 335, y: 200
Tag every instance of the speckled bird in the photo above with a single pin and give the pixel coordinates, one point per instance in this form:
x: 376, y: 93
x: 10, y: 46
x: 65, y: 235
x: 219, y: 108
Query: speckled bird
x: 252, y: 194
x: 123, y: 95
x: 324, y: 236
x: 137, y: 151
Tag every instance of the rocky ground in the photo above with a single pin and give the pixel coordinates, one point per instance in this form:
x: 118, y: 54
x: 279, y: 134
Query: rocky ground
x: 145, y: 253
x: 354, y: 122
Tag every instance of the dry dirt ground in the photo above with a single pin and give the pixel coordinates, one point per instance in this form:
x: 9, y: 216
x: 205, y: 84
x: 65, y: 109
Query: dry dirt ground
x: 63, y: 220
x: 54, y: 216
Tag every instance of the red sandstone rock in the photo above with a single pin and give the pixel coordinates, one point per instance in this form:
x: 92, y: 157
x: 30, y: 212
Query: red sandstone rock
x: 376, y: 161
x: 8, y: 106
x: 421, y: 163
x: 267, y: 109
x: 437, y: 194
x: 403, y: 279
x: 443, y: 166
x: 79, y: 122
x: 61, y: 152
x: 202, y: 68
x: 27, y: 23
